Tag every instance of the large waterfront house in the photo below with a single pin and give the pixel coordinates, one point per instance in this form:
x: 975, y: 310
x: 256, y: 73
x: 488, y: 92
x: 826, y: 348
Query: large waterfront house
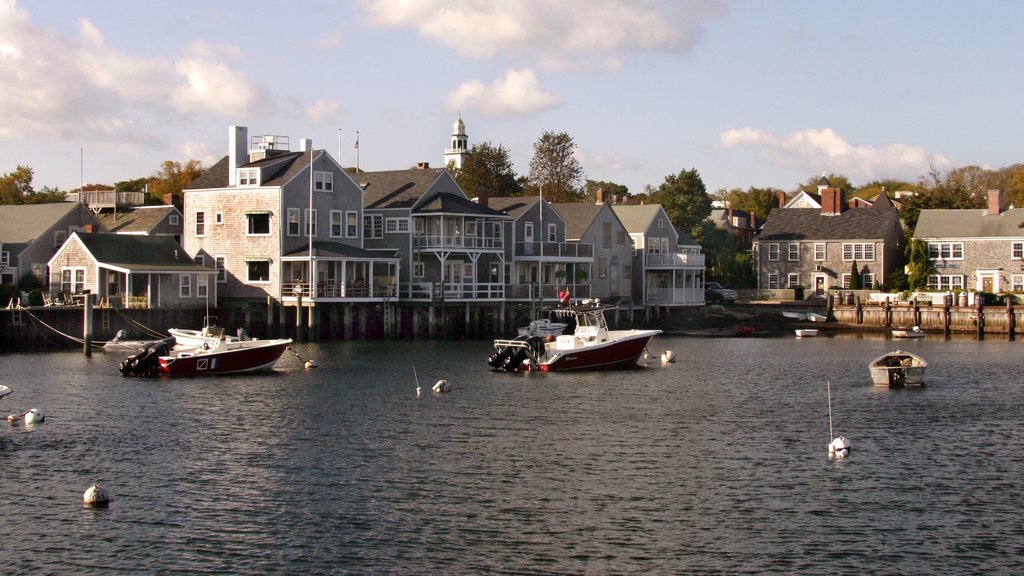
x: 449, y: 247
x: 285, y: 224
x: 975, y: 249
x: 817, y: 248
x: 610, y: 276
x: 669, y: 265
x: 31, y: 233
x: 540, y: 258
x: 130, y: 271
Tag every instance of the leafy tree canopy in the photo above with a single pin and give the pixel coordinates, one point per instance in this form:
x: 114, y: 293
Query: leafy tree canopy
x: 172, y: 178
x: 757, y: 201
x: 555, y: 171
x: 835, y: 181
x: 685, y: 199
x: 16, y: 188
x: 609, y: 189
x: 959, y: 188
x: 489, y: 167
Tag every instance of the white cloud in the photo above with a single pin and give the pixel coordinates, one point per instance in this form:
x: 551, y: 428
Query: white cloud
x: 561, y: 30
x: 325, y: 112
x: 517, y: 93
x: 58, y: 87
x: 823, y: 150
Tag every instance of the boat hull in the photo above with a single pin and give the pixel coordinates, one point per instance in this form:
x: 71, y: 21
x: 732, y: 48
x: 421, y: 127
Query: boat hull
x: 898, y: 368
x: 240, y: 357
x: 806, y: 332
x: 622, y: 352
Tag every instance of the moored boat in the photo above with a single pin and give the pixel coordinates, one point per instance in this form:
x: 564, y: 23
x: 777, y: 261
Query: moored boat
x: 806, y: 332
x: 214, y: 356
x: 914, y: 332
x: 543, y: 327
x: 591, y: 346
x: 897, y: 369
x: 815, y: 317
x: 188, y: 338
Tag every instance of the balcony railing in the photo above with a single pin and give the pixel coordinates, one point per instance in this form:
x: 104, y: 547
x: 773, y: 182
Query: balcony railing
x: 673, y: 260
x: 356, y: 289
x: 675, y: 296
x: 448, y: 241
x: 529, y: 291
x: 554, y: 250
x: 447, y: 291
x: 108, y: 198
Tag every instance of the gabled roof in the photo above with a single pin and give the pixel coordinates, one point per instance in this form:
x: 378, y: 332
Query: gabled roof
x: 216, y: 176
x: 811, y: 224
x: 969, y: 223
x: 139, y: 253
x: 579, y: 216
x: 137, y: 220
x: 448, y: 203
x: 396, y: 188
x: 23, y: 223
x: 637, y: 218
x: 328, y: 249
x: 805, y: 199
x: 514, y: 206
x: 275, y: 170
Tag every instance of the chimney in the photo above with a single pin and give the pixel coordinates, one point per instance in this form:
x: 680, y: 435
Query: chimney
x: 237, y: 149
x: 782, y: 198
x: 600, y: 196
x: 832, y: 201
x: 995, y: 202
x: 730, y: 215
x: 89, y: 228
x: 753, y: 221
x: 482, y: 196
x: 422, y: 165
x: 305, y: 145
x: 168, y: 199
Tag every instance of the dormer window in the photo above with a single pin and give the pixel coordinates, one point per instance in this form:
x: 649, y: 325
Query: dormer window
x: 248, y: 176
x: 323, y: 181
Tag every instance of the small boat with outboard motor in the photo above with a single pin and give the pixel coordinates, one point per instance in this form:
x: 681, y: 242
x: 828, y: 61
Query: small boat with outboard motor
x: 213, y: 356
x: 898, y: 369
x: 591, y: 346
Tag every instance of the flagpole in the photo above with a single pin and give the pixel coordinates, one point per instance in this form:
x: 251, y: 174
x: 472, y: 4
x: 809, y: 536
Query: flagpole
x: 339, y: 146
x: 356, y: 146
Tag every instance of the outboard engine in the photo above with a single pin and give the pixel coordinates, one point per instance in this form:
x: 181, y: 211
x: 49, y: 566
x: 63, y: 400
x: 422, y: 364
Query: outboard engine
x: 146, y: 363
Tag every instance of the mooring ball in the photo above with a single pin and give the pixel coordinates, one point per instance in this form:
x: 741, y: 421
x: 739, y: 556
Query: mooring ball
x: 34, y: 416
x: 96, y: 495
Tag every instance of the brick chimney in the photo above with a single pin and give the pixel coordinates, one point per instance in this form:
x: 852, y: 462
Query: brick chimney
x: 782, y: 198
x: 600, y: 196
x: 482, y: 196
x: 89, y: 228
x: 995, y: 202
x: 423, y: 165
x: 833, y: 201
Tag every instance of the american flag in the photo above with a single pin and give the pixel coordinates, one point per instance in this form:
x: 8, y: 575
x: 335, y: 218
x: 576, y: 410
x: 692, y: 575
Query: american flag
x: 356, y: 145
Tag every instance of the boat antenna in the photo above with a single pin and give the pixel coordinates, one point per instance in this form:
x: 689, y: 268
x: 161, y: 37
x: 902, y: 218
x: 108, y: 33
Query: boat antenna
x: 829, y: 385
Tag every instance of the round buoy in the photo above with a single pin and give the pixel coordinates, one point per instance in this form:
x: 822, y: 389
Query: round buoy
x: 96, y: 495
x: 667, y: 356
x: 34, y: 416
x: 442, y: 386
x: 310, y: 363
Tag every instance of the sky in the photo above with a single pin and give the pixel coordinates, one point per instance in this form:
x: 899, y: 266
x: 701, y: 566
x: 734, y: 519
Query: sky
x: 747, y: 92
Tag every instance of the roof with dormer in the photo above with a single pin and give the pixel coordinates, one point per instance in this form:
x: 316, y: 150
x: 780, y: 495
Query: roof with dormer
x: 135, y: 220
x: 275, y: 170
x: 810, y: 224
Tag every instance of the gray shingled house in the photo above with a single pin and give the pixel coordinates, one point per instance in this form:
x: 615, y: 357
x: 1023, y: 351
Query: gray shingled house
x: 31, y: 233
x: 131, y: 272
x: 817, y: 248
x: 975, y: 249
x: 596, y: 224
x: 449, y: 246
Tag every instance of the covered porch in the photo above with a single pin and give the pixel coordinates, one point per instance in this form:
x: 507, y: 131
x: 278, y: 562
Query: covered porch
x: 337, y: 273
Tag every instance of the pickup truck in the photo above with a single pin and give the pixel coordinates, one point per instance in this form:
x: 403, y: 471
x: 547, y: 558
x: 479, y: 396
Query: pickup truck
x: 715, y: 292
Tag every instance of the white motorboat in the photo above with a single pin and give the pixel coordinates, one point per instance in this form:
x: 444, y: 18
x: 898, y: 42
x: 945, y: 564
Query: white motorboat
x: 4, y: 391
x: 543, y: 327
x: 806, y: 332
x: 187, y: 338
x: 214, y: 356
x: 897, y: 369
x: 794, y: 315
x: 815, y: 317
x: 914, y: 332
x: 591, y: 346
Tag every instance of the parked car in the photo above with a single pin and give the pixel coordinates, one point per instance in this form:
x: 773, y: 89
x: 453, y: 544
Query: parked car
x: 715, y: 292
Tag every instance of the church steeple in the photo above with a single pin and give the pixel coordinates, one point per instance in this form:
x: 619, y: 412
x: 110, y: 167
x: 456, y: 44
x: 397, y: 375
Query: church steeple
x: 459, y: 148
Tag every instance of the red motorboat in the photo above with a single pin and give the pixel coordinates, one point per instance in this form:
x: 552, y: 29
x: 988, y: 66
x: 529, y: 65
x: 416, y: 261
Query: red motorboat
x: 591, y: 346
x: 214, y: 356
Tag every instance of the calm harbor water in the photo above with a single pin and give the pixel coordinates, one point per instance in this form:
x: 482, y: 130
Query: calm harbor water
x: 715, y: 464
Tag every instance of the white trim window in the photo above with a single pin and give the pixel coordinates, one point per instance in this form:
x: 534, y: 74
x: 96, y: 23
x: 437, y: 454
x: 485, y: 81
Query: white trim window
x: 294, y: 221
x: 1017, y: 250
x: 373, y: 226
x: 773, y: 254
x: 946, y: 282
x: 5, y: 258
x: 1017, y: 282
x: 257, y: 271
x: 553, y: 234
x: 351, y: 224
x: 200, y: 259
x: 819, y: 252
x: 396, y: 225
x: 221, y: 264
x: 773, y: 281
x: 72, y: 279
x: 861, y: 252
x: 867, y: 280
x: 248, y: 176
x: 218, y: 218
x: 471, y: 227
x: 946, y: 250
x: 418, y: 270
x: 184, y: 285
x: 794, y: 252
x: 173, y: 219
x: 202, y: 285
x: 337, y: 223
x: 845, y: 283
x: 323, y: 181
x: 200, y: 223
x: 793, y: 280
x: 59, y: 237
x: 310, y: 227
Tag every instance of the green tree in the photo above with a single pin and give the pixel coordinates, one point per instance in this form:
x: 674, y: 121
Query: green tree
x: 685, y: 200
x: 16, y: 186
x: 726, y: 257
x: 919, y: 265
x: 555, y: 171
x: 957, y: 189
x: 172, y: 178
x: 835, y: 181
x: 488, y: 167
x: 855, y: 282
x: 876, y: 187
x: 757, y: 201
x: 610, y: 190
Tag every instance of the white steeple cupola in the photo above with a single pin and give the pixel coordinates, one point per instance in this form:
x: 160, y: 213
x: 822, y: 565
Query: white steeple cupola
x: 459, y: 146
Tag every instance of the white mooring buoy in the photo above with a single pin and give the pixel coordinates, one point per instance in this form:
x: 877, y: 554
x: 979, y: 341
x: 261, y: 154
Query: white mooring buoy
x: 34, y: 416
x: 442, y: 386
x: 668, y: 357
x: 96, y: 496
